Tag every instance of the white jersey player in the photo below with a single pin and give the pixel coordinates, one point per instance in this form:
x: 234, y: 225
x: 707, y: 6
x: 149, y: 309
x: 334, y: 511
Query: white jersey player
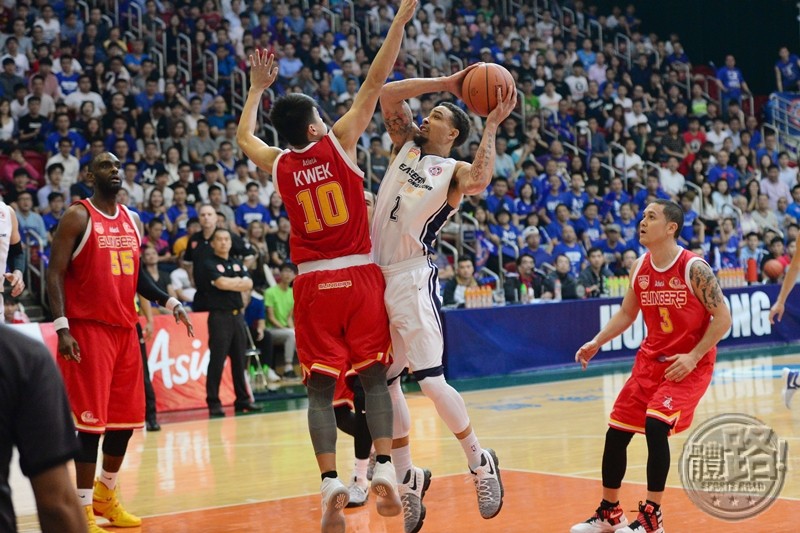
x: 421, y: 189
x: 10, y: 253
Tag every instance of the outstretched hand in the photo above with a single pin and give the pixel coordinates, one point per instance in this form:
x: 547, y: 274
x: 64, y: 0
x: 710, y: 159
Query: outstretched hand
x: 456, y: 81
x: 586, y: 352
x: 263, y: 70
x: 776, y: 312
x: 181, y: 315
x: 406, y: 11
x: 505, y: 105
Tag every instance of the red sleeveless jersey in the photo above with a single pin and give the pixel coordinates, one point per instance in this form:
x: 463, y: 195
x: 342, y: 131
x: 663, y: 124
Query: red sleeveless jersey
x: 676, y: 320
x: 100, y: 283
x: 323, y: 193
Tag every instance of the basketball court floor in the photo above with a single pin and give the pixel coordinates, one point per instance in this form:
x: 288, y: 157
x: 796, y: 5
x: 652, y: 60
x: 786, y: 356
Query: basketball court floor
x: 257, y: 472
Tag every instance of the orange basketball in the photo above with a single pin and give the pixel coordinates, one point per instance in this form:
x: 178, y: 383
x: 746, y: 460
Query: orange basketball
x: 773, y: 269
x: 479, y: 89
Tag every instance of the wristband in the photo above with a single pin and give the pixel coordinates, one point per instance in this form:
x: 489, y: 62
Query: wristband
x: 61, y: 323
x: 172, y: 303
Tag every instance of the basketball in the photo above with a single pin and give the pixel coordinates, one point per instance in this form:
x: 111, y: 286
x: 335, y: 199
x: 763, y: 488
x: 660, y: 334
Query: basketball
x: 479, y: 89
x: 773, y: 269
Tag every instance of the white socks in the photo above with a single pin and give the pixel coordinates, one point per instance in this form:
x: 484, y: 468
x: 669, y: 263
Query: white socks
x: 109, y: 479
x: 472, y: 450
x: 360, y: 469
x: 85, y: 496
x: 401, y: 458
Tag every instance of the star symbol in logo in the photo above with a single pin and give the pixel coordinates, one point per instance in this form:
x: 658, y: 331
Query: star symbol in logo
x: 750, y: 499
x: 715, y: 500
x: 734, y: 502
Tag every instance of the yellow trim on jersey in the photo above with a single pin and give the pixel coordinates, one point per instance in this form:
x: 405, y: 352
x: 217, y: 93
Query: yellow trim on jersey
x: 626, y: 427
x: 325, y: 369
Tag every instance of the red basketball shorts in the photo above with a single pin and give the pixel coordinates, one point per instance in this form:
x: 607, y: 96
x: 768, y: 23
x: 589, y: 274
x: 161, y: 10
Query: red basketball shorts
x: 343, y: 394
x: 648, y: 394
x: 106, y: 389
x: 340, y: 320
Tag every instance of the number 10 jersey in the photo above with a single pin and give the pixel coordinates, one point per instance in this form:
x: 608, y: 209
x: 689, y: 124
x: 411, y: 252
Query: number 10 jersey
x: 323, y: 193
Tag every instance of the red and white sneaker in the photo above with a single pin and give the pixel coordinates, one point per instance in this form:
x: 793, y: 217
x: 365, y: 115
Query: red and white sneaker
x: 648, y: 521
x: 604, y: 520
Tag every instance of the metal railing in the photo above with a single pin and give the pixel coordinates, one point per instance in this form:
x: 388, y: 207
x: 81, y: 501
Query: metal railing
x: 333, y: 17
x: 238, y: 89
x: 622, y: 38
x: 32, y: 238
x: 784, y: 125
x: 183, y: 47
x: 598, y: 29
x: 444, y: 247
x: 211, y: 69
x: 135, y: 19
x: 84, y: 9
x: 367, y: 163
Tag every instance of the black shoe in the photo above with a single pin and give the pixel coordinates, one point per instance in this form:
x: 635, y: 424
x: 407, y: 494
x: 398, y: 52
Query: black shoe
x: 152, y: 424
x: 216, y: 412
x: 248, y: 408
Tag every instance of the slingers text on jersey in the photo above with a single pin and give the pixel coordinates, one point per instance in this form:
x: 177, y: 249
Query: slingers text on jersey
x: 676, y: 319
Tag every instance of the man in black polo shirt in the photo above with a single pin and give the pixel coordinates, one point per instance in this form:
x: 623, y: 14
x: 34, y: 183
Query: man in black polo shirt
x: 35, y: 417
x: 227, y: 278
x: 199, y: 249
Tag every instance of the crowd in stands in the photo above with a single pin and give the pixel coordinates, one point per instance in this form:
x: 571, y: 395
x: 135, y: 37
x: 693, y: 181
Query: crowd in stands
x: 595, y: 138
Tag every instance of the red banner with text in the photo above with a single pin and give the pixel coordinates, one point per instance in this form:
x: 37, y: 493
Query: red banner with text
x: 178, y: 363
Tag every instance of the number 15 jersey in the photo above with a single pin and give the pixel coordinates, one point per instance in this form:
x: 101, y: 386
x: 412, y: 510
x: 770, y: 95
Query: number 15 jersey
x: 323, y: 193
x: 100, y: 283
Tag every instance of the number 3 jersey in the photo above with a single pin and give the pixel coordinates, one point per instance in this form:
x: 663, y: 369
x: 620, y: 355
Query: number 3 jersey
x: 323, y: 193
x: 100, y: 283
x: 676, y: 319
x: 412, y: 205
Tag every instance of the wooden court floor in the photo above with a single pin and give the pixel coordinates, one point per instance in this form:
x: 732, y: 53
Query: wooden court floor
x: 257, y: 472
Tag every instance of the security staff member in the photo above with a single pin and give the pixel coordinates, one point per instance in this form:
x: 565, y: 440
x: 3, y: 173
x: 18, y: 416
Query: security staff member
x: 227, y: 278
x: 199, y: 249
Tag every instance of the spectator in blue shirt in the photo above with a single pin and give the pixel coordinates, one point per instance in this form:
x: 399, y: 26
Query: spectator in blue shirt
x: 627, y: 222
x: 572, y: 249
x: 529, y: 177
x: 251, y: 210
x: 55, y: 202
x: 753, y: 249
x: 586, y: 54
x: 722, y: 170
x: 727, y: 242
x: 499, y: 198
x: 614, y: 199
x: 551, y: 198
x: 29, y: 220
x: 575, y: 198
x: 770, y: 148
x: 652, y: 188
x: 556, y: 228
x: 150, y: 95
x: 787, y: 71
x: 524, y: 203
x: 62, y: 130
x: 794, y: 208
x: 589, y: 227
x: 731, y: 83
x: 612, y: 246
x: 180, y: 213
x: 533, y: 247
x: 510, y: 235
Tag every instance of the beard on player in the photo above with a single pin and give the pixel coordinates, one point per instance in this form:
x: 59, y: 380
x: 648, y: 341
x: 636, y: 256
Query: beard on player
x: 420, y: 139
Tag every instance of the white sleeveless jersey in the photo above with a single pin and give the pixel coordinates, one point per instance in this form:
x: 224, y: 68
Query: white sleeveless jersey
x: 5, y: 234
x: 412, y: 206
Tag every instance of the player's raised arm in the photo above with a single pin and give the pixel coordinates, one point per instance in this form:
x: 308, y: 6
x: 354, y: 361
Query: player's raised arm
x: 619, y: 322
x: 69, y: 231
x: 789, y: 280
x: 263, y: 73
x: 474, y: 178
x: 349, y: 128
x: 397, y: 114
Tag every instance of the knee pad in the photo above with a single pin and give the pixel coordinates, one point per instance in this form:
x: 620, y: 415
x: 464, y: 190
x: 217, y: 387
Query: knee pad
x: 89, y: 443
x: 115, y: 443
x: 401, y: 424
x: 448, y: 402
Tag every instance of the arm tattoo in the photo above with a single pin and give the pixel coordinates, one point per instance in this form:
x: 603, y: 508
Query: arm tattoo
x: 483, y: 164
x: 398, y: 123
x: 706, y: 287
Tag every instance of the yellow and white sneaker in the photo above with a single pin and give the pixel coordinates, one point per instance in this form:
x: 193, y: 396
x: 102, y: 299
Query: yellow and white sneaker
x: 106, y: 504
